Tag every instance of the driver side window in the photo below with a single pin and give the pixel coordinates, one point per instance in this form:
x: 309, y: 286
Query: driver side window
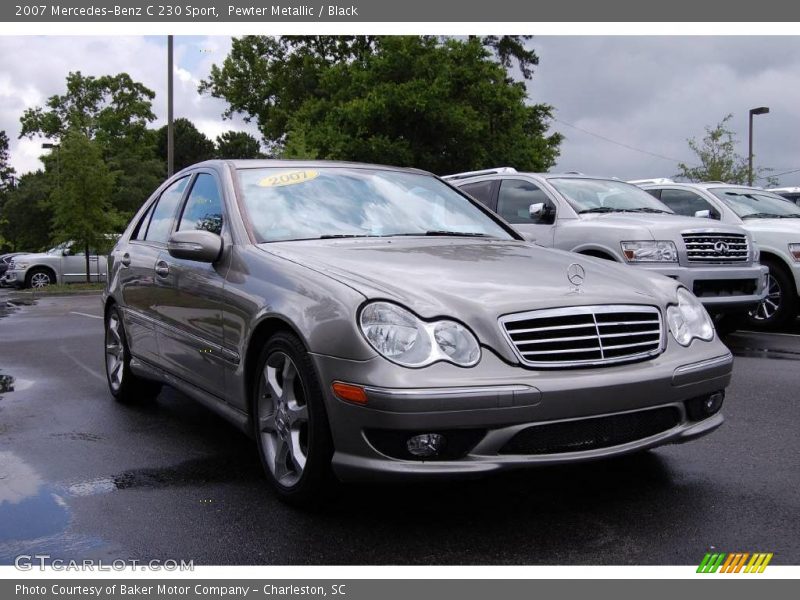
x: 684, y: 202
x: 516, y: 199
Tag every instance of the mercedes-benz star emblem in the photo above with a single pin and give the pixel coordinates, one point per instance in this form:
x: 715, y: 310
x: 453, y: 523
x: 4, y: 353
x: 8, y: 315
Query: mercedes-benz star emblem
x: 721, y: 248
x: 576, y: 274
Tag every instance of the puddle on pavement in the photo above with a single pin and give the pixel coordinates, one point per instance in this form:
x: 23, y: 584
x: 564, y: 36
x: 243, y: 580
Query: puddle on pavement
x: 192, y: 472
x: 8, y: 307
x: 34, y: 514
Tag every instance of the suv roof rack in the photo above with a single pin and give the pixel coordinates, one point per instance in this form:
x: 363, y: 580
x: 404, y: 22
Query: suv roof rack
x: 655, y: 181
x: 468, y: 174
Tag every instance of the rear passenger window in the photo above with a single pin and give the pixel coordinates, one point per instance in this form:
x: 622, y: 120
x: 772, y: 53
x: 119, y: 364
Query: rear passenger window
x: 481, y: 191
x: 141, y: 226
x: 164, y: 213
x: 687, y: 203
x: 203, y: 210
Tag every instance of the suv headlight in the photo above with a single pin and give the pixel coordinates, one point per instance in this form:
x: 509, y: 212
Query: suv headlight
x: 794, y: 250
x: 12, y: 266
x: 650, y: 251
x: 689, y: 319
x: 404, y: 338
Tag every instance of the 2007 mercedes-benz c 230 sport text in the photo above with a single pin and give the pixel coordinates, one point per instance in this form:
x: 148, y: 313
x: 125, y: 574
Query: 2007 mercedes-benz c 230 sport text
x: 366, y: 322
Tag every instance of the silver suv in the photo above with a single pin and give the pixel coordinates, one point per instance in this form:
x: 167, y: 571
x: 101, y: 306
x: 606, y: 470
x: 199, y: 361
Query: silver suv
x: 366, y: 322
x: 773, y: 222
x: 611, y: 219
x: 63, y: 263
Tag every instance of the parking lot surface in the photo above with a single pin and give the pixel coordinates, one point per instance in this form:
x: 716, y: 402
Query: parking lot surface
x: 84, y: 477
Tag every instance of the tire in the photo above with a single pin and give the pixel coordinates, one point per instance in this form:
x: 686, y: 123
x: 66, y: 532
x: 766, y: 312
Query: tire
x: 39, y: 277
x: 126, y: 387
x: 290, y: 422
x: 779, y: 308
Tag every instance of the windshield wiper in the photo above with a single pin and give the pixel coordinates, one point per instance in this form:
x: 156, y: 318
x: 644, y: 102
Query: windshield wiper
x: 598, y: 209
x: 761, y: 215
x: 646, y: 210
x: 440, y: 232
x: 333, y: 236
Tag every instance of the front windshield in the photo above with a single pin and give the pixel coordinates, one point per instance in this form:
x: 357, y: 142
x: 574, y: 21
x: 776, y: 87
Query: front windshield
x: 60, y: 248
x: 757, y: 204
x: 329, y: 202
x: 606, y: 195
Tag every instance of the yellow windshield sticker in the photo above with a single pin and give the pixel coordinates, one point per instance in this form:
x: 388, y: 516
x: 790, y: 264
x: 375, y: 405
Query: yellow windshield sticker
x: 288, y: 178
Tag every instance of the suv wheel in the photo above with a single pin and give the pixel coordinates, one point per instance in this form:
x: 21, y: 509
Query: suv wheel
x: 291, y: 424
x: 780, y: 305
x: 122, y: 383
x: 39, y: 278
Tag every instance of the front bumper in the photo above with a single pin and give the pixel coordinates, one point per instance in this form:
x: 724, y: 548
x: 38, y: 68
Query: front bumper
x: 13, y: 278
x: 495, y: 401
x: 719, y: 288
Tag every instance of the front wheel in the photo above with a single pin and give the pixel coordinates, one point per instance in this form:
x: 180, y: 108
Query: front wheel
x: 779, y: 308
x: 39, y: 278
x: 292, y: 431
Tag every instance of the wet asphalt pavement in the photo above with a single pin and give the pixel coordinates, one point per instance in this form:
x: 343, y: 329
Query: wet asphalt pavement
x: 84, y: 477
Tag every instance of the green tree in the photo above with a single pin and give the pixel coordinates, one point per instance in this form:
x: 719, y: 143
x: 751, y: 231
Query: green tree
x: 6, y: 170
x: 237, y: 144
x: 81, y: 201
x: 718, y: 158
x: 26, y: 214
x: 191, y: 145
x: 437, y: 103
x: 114, y: 111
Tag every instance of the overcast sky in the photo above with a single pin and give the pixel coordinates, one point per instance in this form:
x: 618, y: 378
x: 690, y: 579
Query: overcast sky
x: 646, y: 94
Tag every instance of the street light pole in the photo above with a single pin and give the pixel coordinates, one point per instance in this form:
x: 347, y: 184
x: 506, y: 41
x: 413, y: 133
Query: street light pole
x: 761, y: 110
x: 170, y: 131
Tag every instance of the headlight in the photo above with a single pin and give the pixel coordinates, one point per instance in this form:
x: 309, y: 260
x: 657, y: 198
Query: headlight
x: 689, y: 319
x: 650, y: 251
x: 794, y: 250
x: 756, y: 252
x: 16, y: 265
x: 402, y: 337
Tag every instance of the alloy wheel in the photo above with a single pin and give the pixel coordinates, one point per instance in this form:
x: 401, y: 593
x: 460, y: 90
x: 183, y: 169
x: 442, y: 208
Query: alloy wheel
x: 40, y: 280
x: 770, y: 305
x: 283, y: 419
x: 115, y: 352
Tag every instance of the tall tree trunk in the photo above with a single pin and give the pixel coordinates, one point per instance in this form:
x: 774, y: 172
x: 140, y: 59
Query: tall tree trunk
x: 86, y: 256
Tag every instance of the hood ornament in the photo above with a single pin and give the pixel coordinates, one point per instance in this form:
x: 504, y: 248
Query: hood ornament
x: 576, y: 274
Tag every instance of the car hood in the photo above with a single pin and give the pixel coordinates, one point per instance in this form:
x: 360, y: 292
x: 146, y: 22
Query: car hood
x: 472, y: 279
x: 774, y: 233
x: 659, y: 226
x: 32, y: 256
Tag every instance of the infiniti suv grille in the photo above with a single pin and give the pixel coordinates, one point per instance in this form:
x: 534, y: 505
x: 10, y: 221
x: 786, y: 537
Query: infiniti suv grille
x: 716, y: 247
x: 584, y: 335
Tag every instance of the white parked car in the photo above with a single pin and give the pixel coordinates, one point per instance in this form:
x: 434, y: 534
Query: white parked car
x: 790, y: 193
x: 773, y: 222
x: 64, y: 263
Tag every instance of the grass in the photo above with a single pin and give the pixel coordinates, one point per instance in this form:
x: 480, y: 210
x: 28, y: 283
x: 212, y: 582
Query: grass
x: 63, y: 289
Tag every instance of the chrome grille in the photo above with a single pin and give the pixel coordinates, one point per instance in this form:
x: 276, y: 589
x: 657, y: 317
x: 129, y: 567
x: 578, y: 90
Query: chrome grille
x: 716, y: 247
x: 584, y: 335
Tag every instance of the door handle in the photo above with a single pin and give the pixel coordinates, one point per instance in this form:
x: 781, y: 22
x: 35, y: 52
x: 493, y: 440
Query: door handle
x: 162, y: 268
x: 126, y: 260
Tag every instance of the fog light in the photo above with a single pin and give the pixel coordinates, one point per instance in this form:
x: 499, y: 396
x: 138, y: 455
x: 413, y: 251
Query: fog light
x: 704, y: 406
x: 425, y: 445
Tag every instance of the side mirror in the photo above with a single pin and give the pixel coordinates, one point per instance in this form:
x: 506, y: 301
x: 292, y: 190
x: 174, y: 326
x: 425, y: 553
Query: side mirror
x: 703, y: 214
x: 536, y: 210
x: 199, y: 245
x: 66, y: 252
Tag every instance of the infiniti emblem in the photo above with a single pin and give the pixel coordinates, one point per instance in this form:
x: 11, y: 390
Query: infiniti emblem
x: 576, y: 274
x: 721, y: 248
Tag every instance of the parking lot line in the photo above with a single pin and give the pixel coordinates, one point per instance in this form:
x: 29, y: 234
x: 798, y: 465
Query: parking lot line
x: 74, y: 312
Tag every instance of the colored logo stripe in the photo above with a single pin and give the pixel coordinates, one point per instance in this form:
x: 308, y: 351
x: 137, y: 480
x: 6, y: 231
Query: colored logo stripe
x: 734, y: 562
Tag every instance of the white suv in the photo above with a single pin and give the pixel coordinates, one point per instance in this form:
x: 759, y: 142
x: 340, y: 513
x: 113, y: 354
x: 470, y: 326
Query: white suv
x: 773, y: 222
x: 790, y: 193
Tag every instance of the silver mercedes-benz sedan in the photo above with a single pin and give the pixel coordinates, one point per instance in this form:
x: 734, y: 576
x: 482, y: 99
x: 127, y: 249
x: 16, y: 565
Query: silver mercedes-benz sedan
x: 366, y: 322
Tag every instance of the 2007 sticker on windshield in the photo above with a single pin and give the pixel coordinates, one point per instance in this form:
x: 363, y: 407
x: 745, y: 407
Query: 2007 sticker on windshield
x: 288, y: 178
